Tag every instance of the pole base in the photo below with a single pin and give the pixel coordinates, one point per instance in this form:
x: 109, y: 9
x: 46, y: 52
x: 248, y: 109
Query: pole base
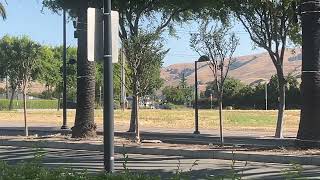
x: 64, y: 127
x: 196, y: 132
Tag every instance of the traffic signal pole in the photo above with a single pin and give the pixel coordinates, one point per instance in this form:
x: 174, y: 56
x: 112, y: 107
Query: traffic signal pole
x: 108, y: 121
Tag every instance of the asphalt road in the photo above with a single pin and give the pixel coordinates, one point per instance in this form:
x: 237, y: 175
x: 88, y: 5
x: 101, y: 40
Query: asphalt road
x: 152, y: 164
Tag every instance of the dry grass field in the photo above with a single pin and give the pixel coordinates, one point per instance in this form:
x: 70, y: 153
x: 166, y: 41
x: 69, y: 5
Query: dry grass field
x: 255, y: 120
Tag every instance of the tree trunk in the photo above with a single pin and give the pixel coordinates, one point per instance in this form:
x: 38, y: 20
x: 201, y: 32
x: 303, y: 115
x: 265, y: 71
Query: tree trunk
x: 281, y: 108
x: 25, y: 110
x: 11, y: 98
x: 84, y: 126
x: 221, y: 120
x: 134, y: 108
x: 133, y: 115
x: 137, y: 119
x: 310, y: 86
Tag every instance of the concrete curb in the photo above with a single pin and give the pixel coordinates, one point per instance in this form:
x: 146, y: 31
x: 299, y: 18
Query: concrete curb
x: 195, y: 154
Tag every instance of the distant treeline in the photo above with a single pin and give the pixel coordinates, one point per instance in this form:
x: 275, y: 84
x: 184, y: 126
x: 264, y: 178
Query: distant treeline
x: 241, y: 96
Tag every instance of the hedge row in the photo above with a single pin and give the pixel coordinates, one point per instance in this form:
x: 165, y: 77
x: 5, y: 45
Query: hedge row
x: 31, y: 104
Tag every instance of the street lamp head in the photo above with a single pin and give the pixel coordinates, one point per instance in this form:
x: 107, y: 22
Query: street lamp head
x: 203, y: 58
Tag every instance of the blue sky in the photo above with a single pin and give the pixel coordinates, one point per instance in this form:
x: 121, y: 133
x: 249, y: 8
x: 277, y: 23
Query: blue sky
x: 25, y: 18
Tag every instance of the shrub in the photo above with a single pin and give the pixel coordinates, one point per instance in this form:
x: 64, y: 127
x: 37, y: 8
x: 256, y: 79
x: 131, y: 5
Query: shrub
x: 34, y: 170
x: 31, y: 104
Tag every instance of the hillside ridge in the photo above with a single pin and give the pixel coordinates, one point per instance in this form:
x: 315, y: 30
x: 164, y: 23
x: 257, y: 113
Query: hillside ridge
x: 249, y: 69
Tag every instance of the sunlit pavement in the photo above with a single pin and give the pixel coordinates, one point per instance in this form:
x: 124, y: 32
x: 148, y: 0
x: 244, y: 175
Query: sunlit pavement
x: 152, y: 164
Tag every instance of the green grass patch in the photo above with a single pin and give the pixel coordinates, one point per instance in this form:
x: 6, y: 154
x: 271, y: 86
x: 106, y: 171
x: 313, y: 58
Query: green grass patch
x: 250, y: 118
x: 31, y: 104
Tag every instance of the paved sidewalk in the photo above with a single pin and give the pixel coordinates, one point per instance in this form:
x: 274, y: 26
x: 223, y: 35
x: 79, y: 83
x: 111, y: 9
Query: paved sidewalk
x: 155, y: 164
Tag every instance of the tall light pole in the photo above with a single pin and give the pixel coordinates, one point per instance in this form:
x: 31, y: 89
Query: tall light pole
x: 196, y: 108
x: 7, y: 88
x: 64, y: 57
x: 108, y: 121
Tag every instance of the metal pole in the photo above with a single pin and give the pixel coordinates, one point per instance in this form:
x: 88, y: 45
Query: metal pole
x: 7, y: 88
x: 266, y: 95
x: 123, y: 88
x: 108, y: 121
x: 64, y: 56
x: 196, y: 112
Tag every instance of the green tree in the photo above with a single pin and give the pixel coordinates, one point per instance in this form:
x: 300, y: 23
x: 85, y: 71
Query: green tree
x: 71, y: 72
x: 155, y: 16
x: 49, y: 74
x: 180, y: 95
x: 146, y: 57
x: 183, y: 81
x: 137, y: 15
x: 8, y: 67
x: 172, y: 95
x: 217, y: 45
x: 116, y: 81
x: 270, y: 25
x: 22, y: 57
x: 231, y: 89
x: 292, y: 91
x: 244, y: 98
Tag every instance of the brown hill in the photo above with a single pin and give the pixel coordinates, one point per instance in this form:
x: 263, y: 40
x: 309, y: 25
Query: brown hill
x: 249, y: 69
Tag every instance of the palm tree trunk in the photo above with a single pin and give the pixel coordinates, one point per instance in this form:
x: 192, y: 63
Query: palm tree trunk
x: 310, y: 86
x: 281, y: 108
x: 84, y: 122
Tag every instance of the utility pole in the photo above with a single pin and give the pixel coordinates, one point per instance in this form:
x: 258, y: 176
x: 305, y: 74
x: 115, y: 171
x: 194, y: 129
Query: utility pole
x: 7, y: 88
x: 64, y: 56
x: 123, y: 81
x: 108, y: 121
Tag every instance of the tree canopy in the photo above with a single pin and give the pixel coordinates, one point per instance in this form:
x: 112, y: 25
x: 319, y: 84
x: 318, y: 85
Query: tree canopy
x: 3, y: 12
x: 271, y: 25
